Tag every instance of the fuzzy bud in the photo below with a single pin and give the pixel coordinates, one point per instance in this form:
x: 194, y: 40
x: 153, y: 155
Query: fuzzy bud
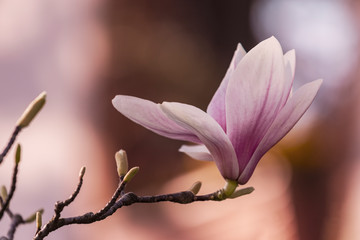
x: 18, y: 154
x: 38, y: 221
x: 121, y: 163
x: 32, y: 110
x: 32, y: 217
x: 241, y: 192
x: 82, y: 172
x: 195, y: 188
x: 3, y: 193
x: 130, y: 174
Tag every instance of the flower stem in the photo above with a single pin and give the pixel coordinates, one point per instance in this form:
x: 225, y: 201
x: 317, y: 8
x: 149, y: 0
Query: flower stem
x: 230, y: 187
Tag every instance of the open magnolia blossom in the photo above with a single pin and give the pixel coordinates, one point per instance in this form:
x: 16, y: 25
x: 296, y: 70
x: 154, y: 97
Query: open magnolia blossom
x: 253, y: 109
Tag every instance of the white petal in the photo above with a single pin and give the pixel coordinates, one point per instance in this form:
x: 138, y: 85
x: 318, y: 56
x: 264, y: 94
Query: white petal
x: 209, y: 132
x: 150, y: 116
x: 198, y: 152
x: 284, y: 122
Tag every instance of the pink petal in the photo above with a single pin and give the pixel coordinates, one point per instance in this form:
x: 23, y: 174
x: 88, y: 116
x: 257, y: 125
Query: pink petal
x: 255, y: 94
x: 209, y: 132
x: 150, y: 116
x: 284, y: 122
x: 216, y: 107
x: 198, y: 152
x: 289, y: 59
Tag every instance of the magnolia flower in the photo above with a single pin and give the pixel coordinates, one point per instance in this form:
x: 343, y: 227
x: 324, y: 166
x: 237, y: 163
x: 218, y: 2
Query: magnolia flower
x: 253, y: 109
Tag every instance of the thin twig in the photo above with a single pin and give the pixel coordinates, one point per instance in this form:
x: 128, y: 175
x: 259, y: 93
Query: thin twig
x: 57, y: 222
x: 112, y: 201
x: 16, y: 220
x: 127, y: 199
x: 6, y: 203
x: 7, y: 210
x: 10, y: 143
x: 59, y: 206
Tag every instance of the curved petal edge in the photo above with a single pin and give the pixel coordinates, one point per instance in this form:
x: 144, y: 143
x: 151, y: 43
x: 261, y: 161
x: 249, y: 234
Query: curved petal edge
x: 284, y: 122
x: 198, y: 152
x: 149, y: 115
x: 209, y: 132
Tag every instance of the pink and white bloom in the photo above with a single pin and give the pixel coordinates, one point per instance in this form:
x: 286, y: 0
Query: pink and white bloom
x: 253, y: 109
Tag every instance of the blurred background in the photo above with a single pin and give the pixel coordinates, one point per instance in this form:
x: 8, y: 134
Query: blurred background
x: 85, y: 52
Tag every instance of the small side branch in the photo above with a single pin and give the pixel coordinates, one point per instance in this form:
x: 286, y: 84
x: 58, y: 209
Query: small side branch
x: 6, y: 202
x: 55, y: 222
x: 120, y: 199
x: 59, y: 206
x: 16, y: 220
x: 127, y: 199
x: 10, y: 143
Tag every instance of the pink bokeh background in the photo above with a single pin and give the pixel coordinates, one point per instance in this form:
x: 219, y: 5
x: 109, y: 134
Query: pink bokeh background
x: 85, y: 52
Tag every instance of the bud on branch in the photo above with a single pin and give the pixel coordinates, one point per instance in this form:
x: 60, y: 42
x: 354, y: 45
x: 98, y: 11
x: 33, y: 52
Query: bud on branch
x: 32, y: 110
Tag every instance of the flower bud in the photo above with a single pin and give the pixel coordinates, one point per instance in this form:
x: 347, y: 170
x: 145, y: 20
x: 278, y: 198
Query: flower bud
x: 121, y: 163
x: 195, y: 188
x: 241, y: 192
x: 3, y: 193
x: 18, y: 154
x: 82, y: 172
x: 32, y: 110
x: 130, y: 174
x: 38, y: 221
x: 32, y: 217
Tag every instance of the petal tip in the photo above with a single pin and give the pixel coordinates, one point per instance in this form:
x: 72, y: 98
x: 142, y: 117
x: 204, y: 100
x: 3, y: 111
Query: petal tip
x: 240, y: 49
x: 272, y: 39
x: 291, y: 53
x: 320, y: 81
x: 317, y: 83
x: 270, y: 44
x: 114, y: 100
